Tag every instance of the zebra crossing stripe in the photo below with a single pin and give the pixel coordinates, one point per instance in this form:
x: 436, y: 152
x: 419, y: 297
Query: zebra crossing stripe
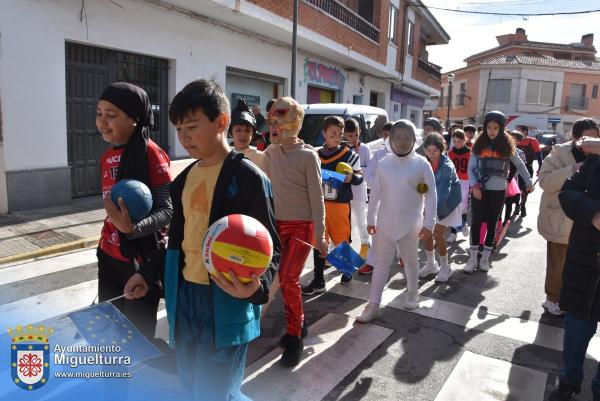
x: 527, y: 331
x: 15, y: 273
x: 492, y: 380
x: 325, y: 363
x: 49, y: 304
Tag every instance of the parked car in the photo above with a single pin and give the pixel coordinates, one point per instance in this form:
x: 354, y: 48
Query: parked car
x: 547, y: 141
x: 537, y: 134
x: 370, y: 119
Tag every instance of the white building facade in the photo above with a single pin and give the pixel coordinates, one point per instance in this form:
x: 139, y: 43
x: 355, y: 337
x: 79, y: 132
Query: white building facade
x: 56, y: 57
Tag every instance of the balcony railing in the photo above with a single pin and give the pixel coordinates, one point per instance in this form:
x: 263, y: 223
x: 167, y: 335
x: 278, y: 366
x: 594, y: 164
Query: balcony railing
x: 577, y: 103
x: 339, y: 11
x: 430, y: 68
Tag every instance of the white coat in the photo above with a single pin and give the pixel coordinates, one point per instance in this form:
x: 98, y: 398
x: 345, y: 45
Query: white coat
x: 396, y: 208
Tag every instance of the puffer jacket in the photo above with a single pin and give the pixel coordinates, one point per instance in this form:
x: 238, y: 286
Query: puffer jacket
x: 447, y: 187
x: 580, y: 200
x: 552, y: 222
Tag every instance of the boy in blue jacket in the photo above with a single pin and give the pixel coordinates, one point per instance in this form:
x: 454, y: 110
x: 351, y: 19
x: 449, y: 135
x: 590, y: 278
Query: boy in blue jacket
x: 211, y: 320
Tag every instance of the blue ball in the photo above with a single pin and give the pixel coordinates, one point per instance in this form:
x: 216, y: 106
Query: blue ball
x: 136, y: 195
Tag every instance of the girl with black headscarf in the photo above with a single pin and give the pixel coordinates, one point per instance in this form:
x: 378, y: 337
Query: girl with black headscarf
x: 124, y: 119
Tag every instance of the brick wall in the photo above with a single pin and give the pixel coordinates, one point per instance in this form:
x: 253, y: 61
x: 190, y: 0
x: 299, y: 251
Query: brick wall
x: 321, y: 23
x: 417, y: 73
x: 423, y: 77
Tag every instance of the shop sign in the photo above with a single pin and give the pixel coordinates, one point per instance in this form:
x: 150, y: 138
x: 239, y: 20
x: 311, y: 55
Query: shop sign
x: 324, y: 75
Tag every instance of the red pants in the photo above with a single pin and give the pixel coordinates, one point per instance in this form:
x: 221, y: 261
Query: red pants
x: 293, y: 256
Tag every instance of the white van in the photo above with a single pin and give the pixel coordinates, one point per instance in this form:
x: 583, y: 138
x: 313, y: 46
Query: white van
x: 378, y: 143
x: 371, y: 120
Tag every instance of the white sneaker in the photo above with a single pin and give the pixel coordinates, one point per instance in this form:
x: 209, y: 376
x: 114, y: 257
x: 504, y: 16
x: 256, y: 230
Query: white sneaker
x: 451, y: 237
x: 552, y: 308
x: 466, y: 230
x: 471, y: 263
x: 429, y: 269
x: 444, y: 274
x: 412, y: 301
x: 484, y: 265
x: 370, y: 312
x: 484, y: 262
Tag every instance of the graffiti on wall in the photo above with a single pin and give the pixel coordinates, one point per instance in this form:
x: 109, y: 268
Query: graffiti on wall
x: 324, y: 75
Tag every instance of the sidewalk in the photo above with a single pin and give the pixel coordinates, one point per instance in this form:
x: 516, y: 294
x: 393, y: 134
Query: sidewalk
x: 37, y: 233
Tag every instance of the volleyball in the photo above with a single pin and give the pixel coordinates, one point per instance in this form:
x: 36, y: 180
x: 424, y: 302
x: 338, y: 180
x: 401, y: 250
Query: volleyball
x: 237, y: 243
x: 136, y: 195
x: 343, y: 168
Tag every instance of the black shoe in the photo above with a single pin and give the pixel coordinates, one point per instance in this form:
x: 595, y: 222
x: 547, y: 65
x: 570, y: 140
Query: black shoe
x: 523, y: 212
x: 346, y: 279
x: 313, y: 287
x: 564, y: 392
x: 285, y: 339
x: 293, y: 352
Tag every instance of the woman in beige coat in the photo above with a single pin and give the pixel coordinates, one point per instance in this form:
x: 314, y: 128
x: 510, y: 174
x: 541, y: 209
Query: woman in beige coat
x: 564, y: 160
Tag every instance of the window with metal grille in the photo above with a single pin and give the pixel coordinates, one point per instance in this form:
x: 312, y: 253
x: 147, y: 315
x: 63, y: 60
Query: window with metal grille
x: 89, y: 70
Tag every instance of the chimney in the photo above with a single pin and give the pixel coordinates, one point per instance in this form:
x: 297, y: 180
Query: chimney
x: 588, y: 40
x: 518, y: 36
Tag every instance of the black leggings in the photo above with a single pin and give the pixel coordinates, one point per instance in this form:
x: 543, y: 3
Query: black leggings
x: 488, y: 210
x: 112, y: 276
x: 508, y: 203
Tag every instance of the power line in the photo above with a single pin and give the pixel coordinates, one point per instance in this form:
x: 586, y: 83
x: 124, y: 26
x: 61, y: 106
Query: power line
x: 506, y: 14
x: 503, y: 3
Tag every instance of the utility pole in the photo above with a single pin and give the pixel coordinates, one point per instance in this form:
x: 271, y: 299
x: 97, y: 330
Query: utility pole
x: 450, y: 81
x: 485, y: 98
x: 294, y: 50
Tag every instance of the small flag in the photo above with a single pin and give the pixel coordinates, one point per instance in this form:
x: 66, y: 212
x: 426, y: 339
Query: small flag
x: 104, y: 324
x: 345, y: 259
x: 335, y: 179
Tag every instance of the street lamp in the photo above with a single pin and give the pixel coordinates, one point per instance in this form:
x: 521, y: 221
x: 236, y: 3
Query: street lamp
x: 450, y: 80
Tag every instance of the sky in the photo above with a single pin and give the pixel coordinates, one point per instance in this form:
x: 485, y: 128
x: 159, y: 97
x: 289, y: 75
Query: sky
x: 471, y: 33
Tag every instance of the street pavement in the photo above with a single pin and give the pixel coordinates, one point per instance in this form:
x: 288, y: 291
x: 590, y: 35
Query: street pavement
x: 478, y: 337
x: 34, y: 234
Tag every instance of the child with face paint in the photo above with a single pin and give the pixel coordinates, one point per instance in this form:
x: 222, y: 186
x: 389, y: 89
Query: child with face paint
x: 401, y: 211
x: 124, y: 118
x: 489, y: 167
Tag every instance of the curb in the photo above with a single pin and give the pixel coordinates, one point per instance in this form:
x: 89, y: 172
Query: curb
x: 69, y: 246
